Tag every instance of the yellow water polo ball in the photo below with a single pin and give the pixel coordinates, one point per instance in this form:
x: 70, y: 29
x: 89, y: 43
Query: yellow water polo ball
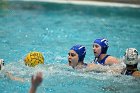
x: 34, y: 58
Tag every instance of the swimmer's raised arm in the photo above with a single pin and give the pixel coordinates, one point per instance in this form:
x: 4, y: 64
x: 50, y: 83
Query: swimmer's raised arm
x: 9, y: 75
x: 35, y: 82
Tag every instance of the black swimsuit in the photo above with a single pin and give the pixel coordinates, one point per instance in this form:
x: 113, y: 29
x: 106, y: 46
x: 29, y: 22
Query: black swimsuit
x: 129, y: 72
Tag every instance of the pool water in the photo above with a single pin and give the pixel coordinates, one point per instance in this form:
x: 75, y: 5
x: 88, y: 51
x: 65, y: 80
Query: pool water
x: 53, y: 29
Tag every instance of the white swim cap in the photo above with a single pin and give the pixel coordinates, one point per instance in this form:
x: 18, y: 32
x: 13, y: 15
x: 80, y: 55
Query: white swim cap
x: 131, y: 56
x: 1, y: 64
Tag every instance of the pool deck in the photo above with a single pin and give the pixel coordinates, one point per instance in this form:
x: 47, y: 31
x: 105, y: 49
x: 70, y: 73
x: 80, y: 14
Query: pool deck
x: 91, y: 2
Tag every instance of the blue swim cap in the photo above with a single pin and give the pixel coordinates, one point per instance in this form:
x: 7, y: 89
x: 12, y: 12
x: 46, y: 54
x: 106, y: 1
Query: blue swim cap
x: 80, y: 50
x: 103, y: 43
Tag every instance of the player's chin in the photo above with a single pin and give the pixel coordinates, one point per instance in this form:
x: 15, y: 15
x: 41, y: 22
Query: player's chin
x: 95, y: 54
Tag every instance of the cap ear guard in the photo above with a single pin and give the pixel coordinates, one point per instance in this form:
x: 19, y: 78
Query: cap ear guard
x: 103, y: 43
x: 80, y: 50
x: 131, y: 56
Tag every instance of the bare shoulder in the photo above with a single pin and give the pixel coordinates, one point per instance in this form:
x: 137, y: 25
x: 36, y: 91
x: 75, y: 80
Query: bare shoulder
x: 111, y: 60
x: 136, y: 74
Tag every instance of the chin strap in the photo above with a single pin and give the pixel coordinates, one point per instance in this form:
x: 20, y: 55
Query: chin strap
x: 96, y: 59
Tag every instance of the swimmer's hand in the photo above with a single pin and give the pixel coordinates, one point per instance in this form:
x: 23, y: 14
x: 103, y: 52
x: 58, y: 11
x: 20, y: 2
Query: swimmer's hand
x: 35, y: 82
x: 9, y: 75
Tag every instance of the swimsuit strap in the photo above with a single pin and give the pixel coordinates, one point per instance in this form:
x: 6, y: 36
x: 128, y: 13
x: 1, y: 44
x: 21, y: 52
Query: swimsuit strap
x: 84, y: 65
x: 103, y: 60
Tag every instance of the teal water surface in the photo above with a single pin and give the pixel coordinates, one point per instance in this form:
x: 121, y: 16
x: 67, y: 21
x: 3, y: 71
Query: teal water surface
x: 53, y: 29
